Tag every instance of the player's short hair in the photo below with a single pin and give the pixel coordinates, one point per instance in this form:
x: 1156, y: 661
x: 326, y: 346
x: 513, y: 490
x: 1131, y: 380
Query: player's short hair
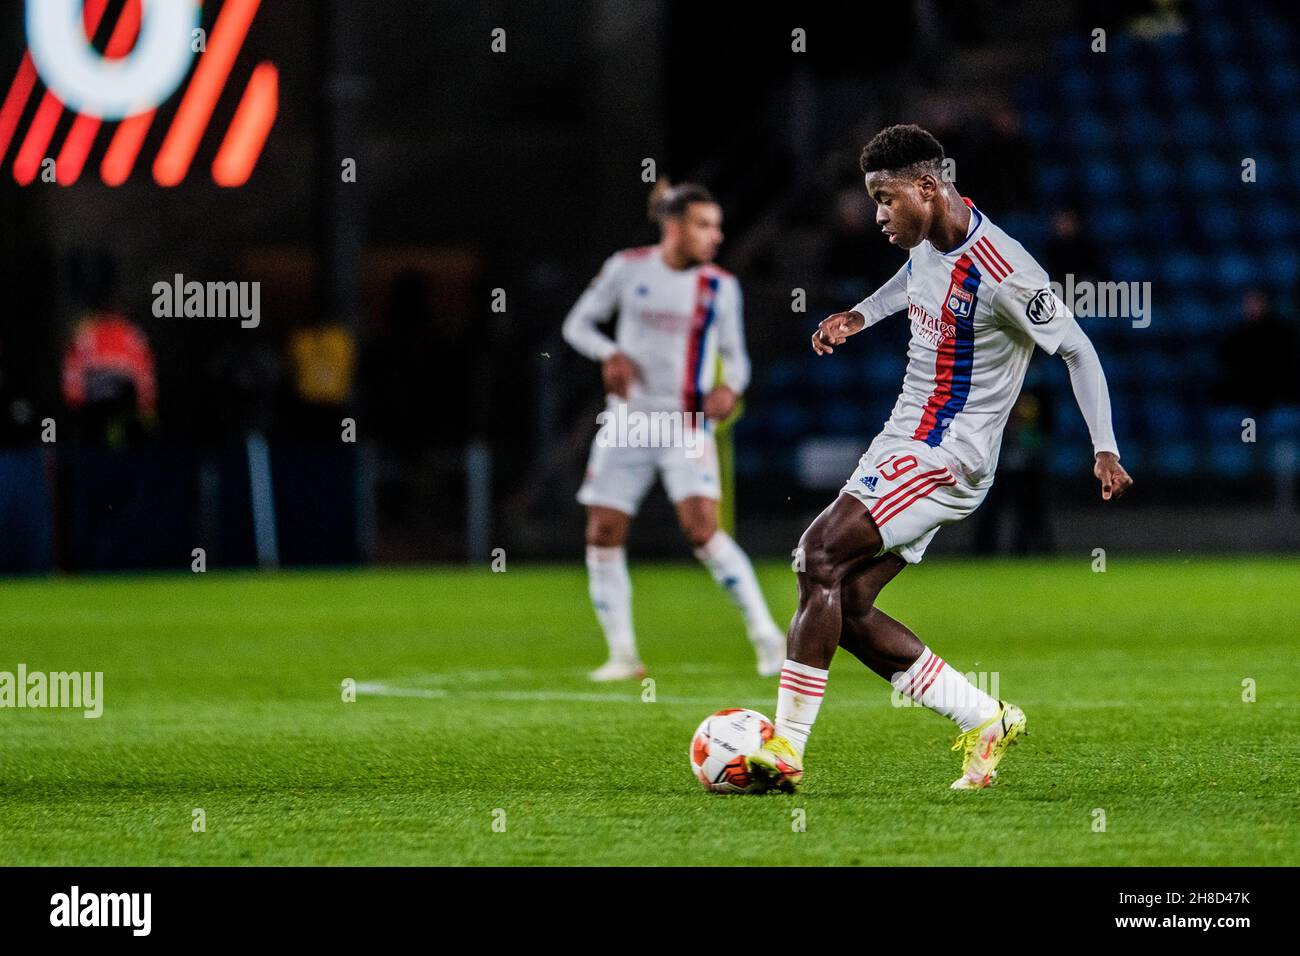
x: 671, y: 202
x: 905, y: 148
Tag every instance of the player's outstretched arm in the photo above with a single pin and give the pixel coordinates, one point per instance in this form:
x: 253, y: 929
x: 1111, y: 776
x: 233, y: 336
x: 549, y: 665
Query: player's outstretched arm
x: 1090, y: 391
x: 888, y: 299
x: 836, y: 329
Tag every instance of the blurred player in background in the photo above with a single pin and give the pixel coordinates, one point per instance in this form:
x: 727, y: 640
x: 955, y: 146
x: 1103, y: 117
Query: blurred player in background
x: 677, y: 314
x: 978, y: 304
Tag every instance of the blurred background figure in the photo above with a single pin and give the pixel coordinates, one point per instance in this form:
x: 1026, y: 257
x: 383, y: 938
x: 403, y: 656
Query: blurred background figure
x: 1016, y: 514
x: 1260, y: 357
x: 109, y: 381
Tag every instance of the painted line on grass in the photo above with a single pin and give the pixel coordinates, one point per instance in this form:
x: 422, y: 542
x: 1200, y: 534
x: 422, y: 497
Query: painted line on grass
x: 380, y: 689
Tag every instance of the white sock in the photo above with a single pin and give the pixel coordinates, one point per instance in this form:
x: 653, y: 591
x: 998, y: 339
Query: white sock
x: 798, y: 700
x: 731, y: 569
x: 611, y: 595
x: 933, y: 684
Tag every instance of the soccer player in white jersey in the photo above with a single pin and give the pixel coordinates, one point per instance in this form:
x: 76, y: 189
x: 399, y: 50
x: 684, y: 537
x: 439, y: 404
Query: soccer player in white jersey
x: 677, y: 313
x: 978, y: 304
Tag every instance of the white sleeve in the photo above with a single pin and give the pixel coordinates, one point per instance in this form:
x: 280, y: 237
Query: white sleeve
x: 731, y: 337
x: 885, y: 301
x: 1025, y: 301
x: 1089, y: 383
x: 594, y: 306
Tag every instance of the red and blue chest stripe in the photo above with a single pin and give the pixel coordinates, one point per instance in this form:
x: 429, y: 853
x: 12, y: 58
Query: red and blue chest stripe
x: 955, y: 358
x: 706, y: 295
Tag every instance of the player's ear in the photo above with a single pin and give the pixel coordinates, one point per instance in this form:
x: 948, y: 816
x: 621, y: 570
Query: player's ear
x: 927, y: 185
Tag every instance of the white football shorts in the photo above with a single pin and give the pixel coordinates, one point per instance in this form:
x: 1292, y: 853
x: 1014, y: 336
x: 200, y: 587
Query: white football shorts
x: 911, y: 490
x: 618, y: 476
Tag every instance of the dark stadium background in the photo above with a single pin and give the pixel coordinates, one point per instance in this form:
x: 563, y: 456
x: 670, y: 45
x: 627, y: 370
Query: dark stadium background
x: 521, y: 171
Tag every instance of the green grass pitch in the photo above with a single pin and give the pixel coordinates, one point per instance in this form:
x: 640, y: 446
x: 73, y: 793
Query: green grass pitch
x: 476, y: 740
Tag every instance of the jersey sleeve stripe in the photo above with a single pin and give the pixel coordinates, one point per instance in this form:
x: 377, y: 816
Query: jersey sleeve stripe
x: 983, y: 254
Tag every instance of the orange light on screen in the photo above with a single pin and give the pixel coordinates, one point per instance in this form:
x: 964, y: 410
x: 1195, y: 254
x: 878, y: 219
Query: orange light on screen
x: 187, y: 129
x: 80, y: 139
x: 249, y: 129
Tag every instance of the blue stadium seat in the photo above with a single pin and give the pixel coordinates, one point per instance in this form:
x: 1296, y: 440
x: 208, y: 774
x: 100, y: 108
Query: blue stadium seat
x: 789, y: 421
x: 1066, y: 459
x: 1289, y: 127
x: 1129, y: 264
x: 1194, y: 127
x: 1181, y: 268
x: 1039, y: 124
x: 1176, y: 458
x: 1282, y: 265
x: 1165, y: 419
x: 1210, y: 175
x: 1236, y: 269
x: 1116, y: 220
x: 1245, y: 124
x: 782, y: 374
x: 1077, y: 84
x: 1185, y: 315
x: 1089, y: 131
x: 1233, y: 459
x: 1282, y: 423
x: 1179, y: 83
x: 1102, y: 178
x: 1275, y: 222
x: 1283, y: 80
x: 1219, y: 218
x: 1126, y: 83
x: 1053, y: 180
x: 1224, y: 423
x: 1216, y: 36
x: 1155, y: 176
x: 1233, y: 83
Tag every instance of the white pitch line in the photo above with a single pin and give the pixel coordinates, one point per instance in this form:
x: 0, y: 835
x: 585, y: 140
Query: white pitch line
x: 380, y: 689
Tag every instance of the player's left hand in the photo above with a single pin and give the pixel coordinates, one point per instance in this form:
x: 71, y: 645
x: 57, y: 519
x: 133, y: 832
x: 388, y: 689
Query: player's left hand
x: 718, y: 404
x: 1114, y: 479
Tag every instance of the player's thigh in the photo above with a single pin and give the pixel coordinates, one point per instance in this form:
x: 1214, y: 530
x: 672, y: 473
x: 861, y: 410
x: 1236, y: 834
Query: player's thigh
x: 691, y: 470
x: 698, y: 517
x: 607, y: 527
x: 840, y: 539
x: 617, y: 477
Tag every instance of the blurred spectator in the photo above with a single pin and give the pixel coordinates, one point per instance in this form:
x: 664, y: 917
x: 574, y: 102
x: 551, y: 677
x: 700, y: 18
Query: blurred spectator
x: 1069, y: 250
x: 999, y: 164
x: 18, y: 422
x: 1260, y: 357
x: 108, y: 379
x: 1019, y: 495
x: 856, y: 247
x: 322, y: 359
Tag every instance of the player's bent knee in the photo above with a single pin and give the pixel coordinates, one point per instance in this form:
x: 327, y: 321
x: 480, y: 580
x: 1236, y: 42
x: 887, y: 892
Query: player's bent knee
x: 698, y: 533
x: 606, y: 530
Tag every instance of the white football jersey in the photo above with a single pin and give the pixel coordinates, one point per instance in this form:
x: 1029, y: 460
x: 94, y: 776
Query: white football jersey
x: 977, y: 311
x: 672, y: 323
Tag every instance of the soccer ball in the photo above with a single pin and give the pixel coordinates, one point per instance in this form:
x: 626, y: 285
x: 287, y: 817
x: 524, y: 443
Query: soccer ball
x: 720, y: 746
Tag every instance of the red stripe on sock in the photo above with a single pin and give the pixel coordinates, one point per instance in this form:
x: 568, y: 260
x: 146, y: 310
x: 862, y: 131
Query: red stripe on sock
x: 813, y: 682
x: 931, y: 680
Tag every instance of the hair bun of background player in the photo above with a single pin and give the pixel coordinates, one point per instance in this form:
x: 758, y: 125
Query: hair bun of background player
x: 668, y: 201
